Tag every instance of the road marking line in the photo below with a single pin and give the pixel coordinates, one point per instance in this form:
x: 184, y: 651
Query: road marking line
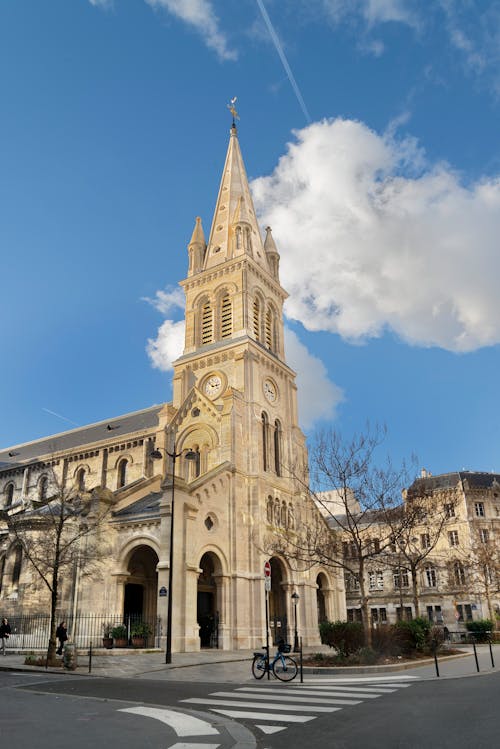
x: 309, y: 699
x: 327, y: 693
x: 182, y: 745
x: 270, y: 729
x: 241, y: 703
x: 361, y: 679
x: 264, y: 716
x: 183, y: 725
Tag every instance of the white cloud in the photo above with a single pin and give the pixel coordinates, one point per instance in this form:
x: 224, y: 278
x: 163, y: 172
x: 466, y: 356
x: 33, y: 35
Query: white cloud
x: 371, y: 238
x: 372, y: 11
x: 102, y: 3
x: 166, y: 300
x: 200, y: 15
x: 318, y: 397
x: 167, y: 346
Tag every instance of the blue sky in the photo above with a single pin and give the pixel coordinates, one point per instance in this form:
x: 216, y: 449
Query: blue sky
x: 370, y: 134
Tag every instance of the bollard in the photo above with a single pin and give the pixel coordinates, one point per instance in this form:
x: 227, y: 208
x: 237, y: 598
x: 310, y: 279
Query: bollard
x: 90, y: 658
x: 491, y: 651
x: 436, y: 660
x: 475, y: 654
x: 301, y: 664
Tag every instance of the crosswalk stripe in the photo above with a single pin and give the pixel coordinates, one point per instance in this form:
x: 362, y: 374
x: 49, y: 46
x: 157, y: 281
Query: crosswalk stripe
x: 360, y: 679
x: 183, y: 745
x: 328, y: 693
x: 241, y: 703
x: 270, y: 694
x: 264, y: 716
x: 269, y: 729
x: 352, y: 690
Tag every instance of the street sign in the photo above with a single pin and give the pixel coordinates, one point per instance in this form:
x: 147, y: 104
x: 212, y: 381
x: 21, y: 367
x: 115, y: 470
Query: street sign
x: 267, y: 584
x: 267, y: 569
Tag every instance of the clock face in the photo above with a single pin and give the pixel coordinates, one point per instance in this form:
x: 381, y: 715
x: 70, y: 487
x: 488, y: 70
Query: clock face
x: 213, y: 385
x: 270, y: 391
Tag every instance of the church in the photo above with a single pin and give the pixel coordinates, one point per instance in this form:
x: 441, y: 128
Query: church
x: 220, y: 462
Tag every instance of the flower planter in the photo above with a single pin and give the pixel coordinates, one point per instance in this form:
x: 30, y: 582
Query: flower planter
x: 138, y: 641
x: 107, y: 642
x: 121, y: 642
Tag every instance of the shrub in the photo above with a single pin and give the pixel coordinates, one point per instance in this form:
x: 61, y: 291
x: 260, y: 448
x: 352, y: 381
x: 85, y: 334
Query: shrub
x: 344, y: 637
x: 413, y: 635
x: 141, y: 629
x: 386, y: 640
x: 480, y: 629
x: 119, y: 632
x: 368, y: 656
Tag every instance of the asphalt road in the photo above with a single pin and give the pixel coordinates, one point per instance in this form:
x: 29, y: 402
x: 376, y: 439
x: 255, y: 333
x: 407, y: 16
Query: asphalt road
x: 47, y: 712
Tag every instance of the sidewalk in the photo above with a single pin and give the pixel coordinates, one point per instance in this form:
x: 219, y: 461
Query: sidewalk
x: 234, y: 666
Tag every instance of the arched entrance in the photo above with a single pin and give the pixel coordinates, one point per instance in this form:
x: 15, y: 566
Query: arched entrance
x: 139, y: 601
x: 321, y: 582
x: 207, y: 610
x: 277, y: 602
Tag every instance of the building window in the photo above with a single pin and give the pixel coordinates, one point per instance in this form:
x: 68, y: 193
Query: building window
x: 9, y: 494
x: 458, y: 573
x: 425, y: 540
x: 379, y: 616
x: 269, y: 509
x: 80, y: 480
x: 122, y: 473
x: 484, y: 535
x: 277, y: 447
x: 352, y: 582
x: 265, y: 440
x: 226, y: 320
x: 404, y: 614
x: 430, y: 576
x: 207, y: 324
x: 354, y: 615
x: 16, y: 571
x: 449, y: 510
x: 269, y: 329
x: 453, y: 538
x: 434, y: 614
x: 479, y: 509
x: 256, y: 319
x: 464, y: 611
x: 401, y: 579
x: 376, y: 580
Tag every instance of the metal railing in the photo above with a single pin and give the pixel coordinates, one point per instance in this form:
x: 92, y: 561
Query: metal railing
x: 32, y: 631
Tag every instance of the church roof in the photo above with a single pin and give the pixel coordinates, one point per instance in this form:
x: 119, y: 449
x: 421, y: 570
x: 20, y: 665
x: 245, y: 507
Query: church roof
x: 115, y: 428
x: 234, y: 207
x: 146, y: 506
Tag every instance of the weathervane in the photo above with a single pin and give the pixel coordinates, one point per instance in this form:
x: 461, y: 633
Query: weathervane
x: 232, y: 109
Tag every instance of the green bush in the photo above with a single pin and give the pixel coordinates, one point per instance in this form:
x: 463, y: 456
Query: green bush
x: 344, y: 637
x: 386, y: 640
x: 368, y: 656
x: 481, y: 629
x: 119, y: 632
x: 413, y: 635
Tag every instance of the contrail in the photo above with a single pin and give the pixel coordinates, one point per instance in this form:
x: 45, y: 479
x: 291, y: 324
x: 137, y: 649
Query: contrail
x: 47, y: 410
x: 279, y: 50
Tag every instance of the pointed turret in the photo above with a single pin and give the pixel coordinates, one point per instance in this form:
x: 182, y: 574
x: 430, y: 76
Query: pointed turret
x: 272, y: 254
x: 235, y: 230
x: 196, y: 248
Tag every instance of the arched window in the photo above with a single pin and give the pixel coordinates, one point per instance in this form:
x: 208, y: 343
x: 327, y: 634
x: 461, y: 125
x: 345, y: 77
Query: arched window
x: 9, y: 494
x: 238, y: 237
x: 226, y: 318
x: 16, y: 570
x: 277, y: 513
x: 42, y: 489
x: 194, y: 464
x: 207, y: 324
x: 80, y: 479
x: 256, y: 318
x: 284, y: 515
x: 265, y: 435
x: 122, y: 473
x: 269, y: 329
x: 277, y: 447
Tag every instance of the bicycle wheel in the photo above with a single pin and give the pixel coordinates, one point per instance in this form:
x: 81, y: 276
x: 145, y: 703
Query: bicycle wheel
x: 259, y: 666
x: 285, y: 668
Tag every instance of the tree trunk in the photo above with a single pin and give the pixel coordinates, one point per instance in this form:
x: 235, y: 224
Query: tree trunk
x: 414, y: 585
x: 365, y: 612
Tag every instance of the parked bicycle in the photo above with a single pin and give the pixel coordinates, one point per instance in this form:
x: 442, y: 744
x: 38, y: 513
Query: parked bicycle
x: 282, y: 666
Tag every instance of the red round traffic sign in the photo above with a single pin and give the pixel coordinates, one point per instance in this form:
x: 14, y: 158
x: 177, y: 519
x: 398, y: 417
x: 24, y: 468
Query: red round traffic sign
x: 267, y: 569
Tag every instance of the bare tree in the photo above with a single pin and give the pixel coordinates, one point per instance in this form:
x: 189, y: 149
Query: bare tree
x: 416, y: 528
x: 356, y: 496
x: 57, y: 532
x: 481, y: 565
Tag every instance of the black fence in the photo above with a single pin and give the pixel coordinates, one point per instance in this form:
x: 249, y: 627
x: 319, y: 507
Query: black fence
x: 31, y: 632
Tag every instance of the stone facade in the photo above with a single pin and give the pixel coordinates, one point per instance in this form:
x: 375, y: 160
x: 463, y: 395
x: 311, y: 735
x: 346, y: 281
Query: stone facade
x: 234, y: 413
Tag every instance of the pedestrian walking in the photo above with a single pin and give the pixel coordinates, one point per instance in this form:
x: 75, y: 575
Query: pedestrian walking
x: 62, y: 636
x: 4, y: 633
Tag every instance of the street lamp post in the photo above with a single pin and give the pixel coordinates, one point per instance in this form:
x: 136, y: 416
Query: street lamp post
x: 156, y: 455
x: 295, y: 599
